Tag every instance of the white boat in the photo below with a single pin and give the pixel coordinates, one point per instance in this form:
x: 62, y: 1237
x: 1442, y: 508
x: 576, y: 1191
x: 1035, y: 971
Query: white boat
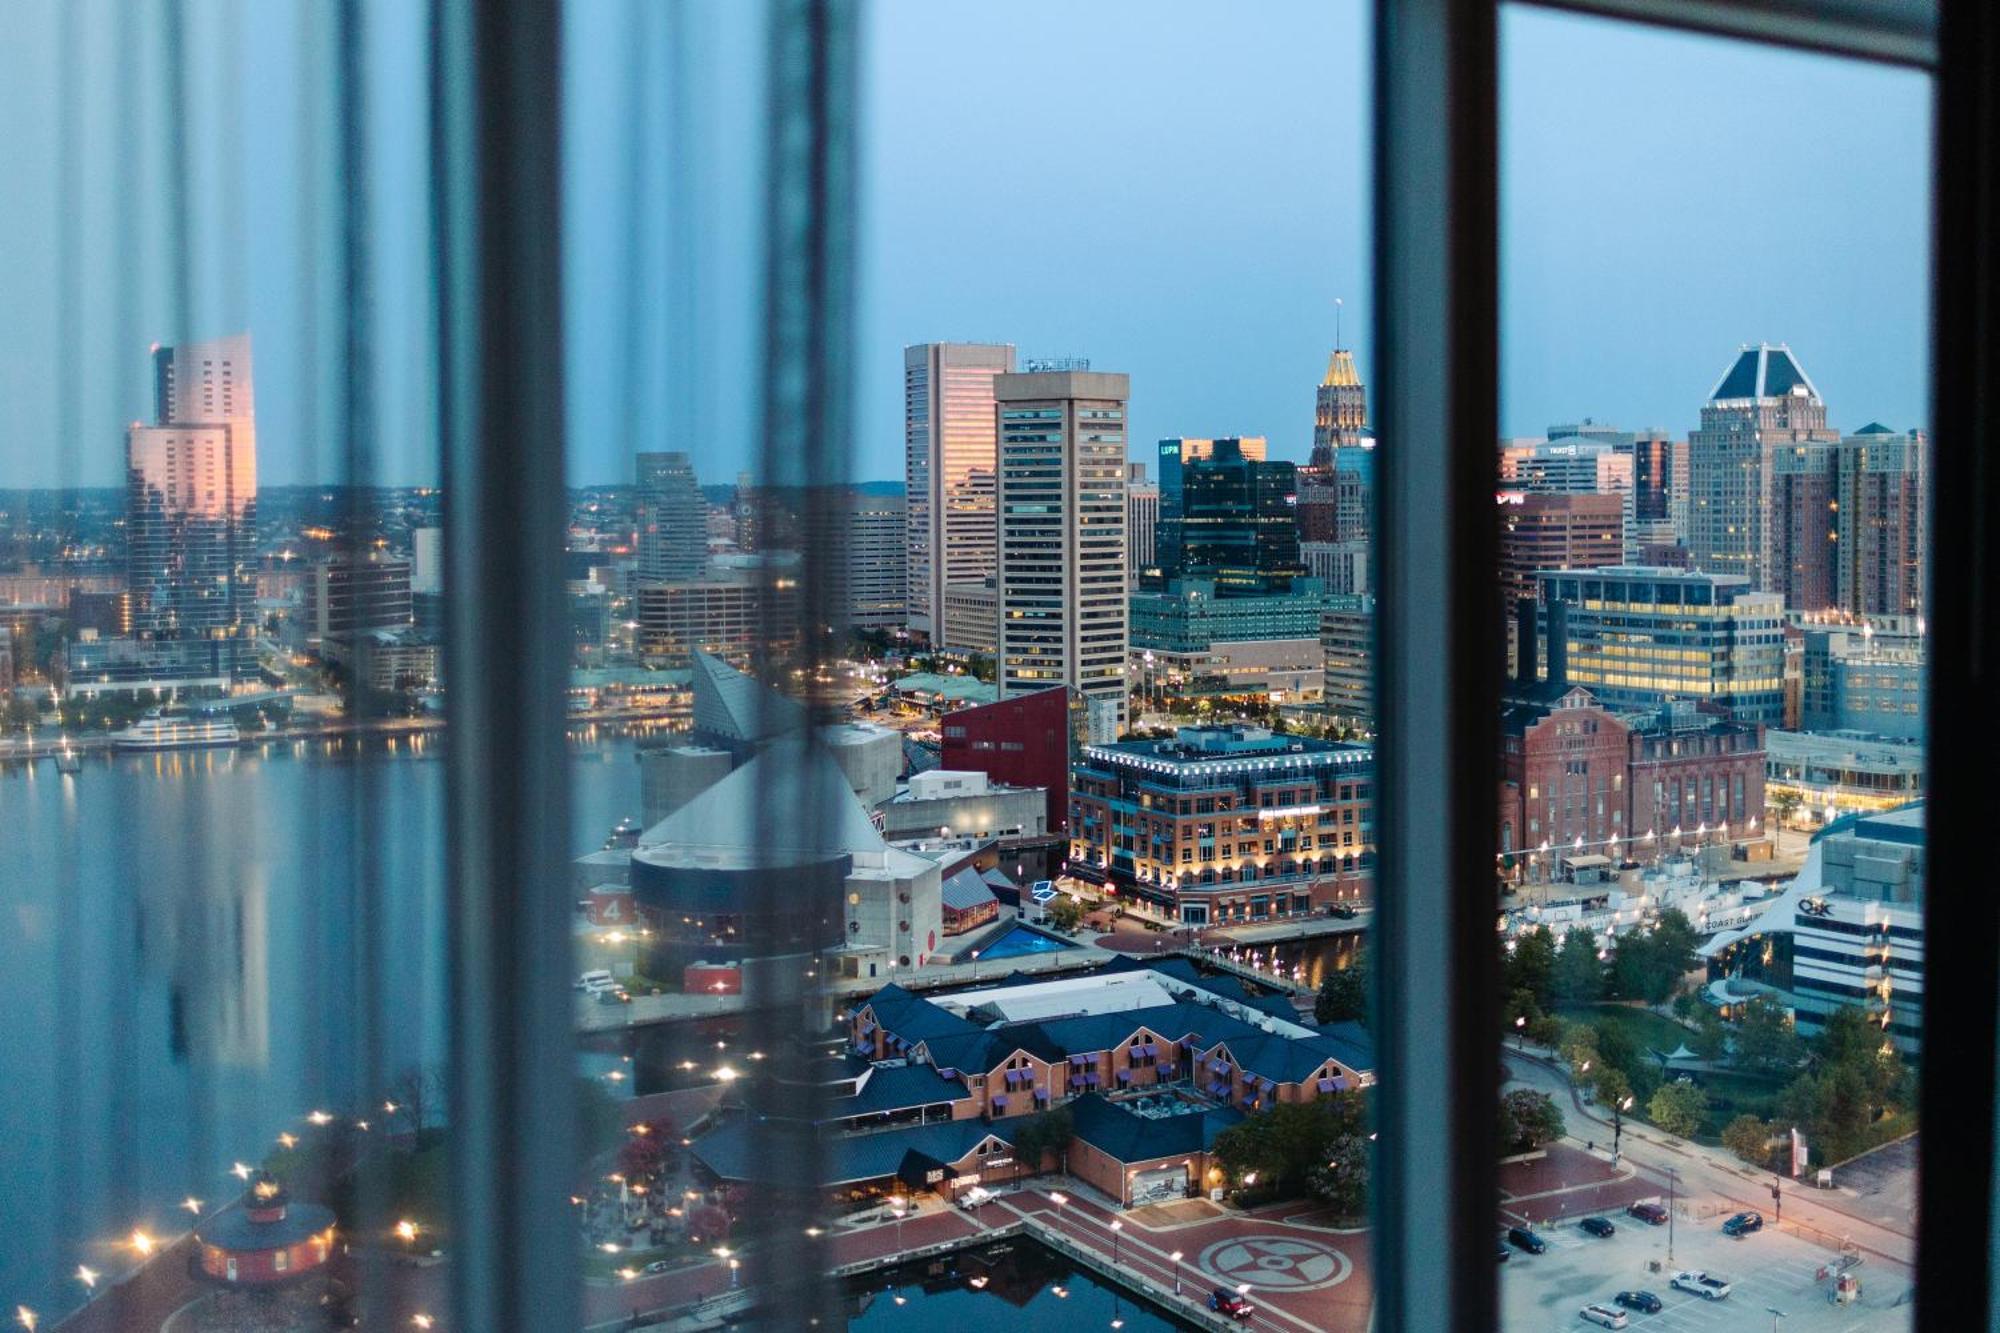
x: 161, y: 730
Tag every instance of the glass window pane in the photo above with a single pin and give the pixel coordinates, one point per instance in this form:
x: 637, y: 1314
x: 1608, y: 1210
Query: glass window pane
x: 1712, y: 498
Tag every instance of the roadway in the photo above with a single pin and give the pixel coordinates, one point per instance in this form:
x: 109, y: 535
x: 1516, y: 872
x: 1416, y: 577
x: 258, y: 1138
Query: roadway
x: 1712, y: 1176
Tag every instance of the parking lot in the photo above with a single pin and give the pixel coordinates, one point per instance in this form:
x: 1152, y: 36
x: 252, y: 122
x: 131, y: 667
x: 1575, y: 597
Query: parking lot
x: 1770, y: 1271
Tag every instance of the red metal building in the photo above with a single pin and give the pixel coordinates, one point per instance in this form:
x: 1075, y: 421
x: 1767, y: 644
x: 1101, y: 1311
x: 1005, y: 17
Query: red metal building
x: 1022, y: 740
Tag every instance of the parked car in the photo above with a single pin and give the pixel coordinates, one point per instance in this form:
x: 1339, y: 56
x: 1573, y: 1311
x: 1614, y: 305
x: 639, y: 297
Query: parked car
x: 1344, y: 911
x: 1652, y: 1214
x: 657, y: 1266
x: 1504, y: 1251
x: 1527, y: 1240
x: 1597, y: 1226
x: 1232, y: 1303
x: 1603, y: 1316
x: 1645, y: 1302
x: 975, y: 1196
x: 1705, y: 1285
x: 1743, y: 1224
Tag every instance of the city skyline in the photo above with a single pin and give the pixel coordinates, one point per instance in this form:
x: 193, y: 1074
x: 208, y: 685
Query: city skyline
x: 1835, y: 266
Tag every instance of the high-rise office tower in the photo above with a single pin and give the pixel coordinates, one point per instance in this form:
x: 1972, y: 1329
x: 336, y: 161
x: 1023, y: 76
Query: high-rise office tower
x: 1883, y: 492
x: 1176, y: 457
x: 210, y: 384
x: 1554, y: 531
x: 949, y: 461
x: 1061, y: 587
x: 1142, y: 521
x: 871, y: 582
x: 1845, y: 522
x: 1233, y: 521
x: 673, y: 518
x: 191, y: 500
x: 1763, y: 404
x: 1340, y: 415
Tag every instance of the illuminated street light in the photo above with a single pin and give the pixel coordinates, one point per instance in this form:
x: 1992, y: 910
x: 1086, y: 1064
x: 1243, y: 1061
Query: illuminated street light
x: 192, y: 1204
x: 87, y: 1276
x: 142, y: 1244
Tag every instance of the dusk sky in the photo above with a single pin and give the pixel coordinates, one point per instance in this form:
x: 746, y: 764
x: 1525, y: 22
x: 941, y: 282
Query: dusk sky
x: 1177, y: 191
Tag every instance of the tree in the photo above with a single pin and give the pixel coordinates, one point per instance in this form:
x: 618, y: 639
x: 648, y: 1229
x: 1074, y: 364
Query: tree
x: 1579, y: 1049
x: 1765, y: 1041
x: 1784, y: 804
x: 1749, y: 1138
x: 1342, y: 1180
x: 1579, y: 972
x: 414, y: 1092
x: 1710, y: 1036
x: 641, y: 1155
x: 1049, y: 1132
x: 1678, y: 1108
x: 1528, y: 1119
x: 1519, y: 1011
x: 1619, y: 1049
x: 1611, y: 1086
x: 1343, y: 992
x: 1066, y: 913
x: 1531, y: 965
x: 1283, y: 1143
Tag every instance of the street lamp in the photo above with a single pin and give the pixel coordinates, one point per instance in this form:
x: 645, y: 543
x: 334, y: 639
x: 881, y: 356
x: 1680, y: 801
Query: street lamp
x: 1776, y: 1314
x: 898, y: 1205
x: 1673, y: 1178
x: 1116, y: 1227
x: 1618, y: 1110
x: 1175, y: 1260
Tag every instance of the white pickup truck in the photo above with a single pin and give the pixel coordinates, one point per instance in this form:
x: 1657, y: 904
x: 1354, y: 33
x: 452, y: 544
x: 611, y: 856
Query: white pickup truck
x: 1705, y: 1285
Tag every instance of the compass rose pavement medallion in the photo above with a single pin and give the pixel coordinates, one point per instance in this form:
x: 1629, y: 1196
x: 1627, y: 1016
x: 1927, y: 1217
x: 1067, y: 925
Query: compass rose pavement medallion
x: 1276, y: 1263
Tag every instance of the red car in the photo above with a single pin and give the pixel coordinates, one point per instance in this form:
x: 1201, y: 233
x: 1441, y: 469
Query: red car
x: 1232, y: 1303
x: 1652, y: 1214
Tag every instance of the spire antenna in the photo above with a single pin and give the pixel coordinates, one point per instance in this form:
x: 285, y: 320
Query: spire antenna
x: 1336, y: 322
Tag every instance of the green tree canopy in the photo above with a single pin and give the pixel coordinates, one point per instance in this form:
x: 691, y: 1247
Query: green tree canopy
x: 1531, y: 965
x: 1528, y: 1119
x: 1749, y: 1138
x: 1710, y: 1036
x: 1343, y: 992
x: 1579, y: 972
x: 1342, y: 1179
x: 1285, y: 1142
x: 1678, y: 1108
x: 1765, y: 1042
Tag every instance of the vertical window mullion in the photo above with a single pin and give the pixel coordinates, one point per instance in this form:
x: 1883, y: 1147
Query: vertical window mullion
x: 1437, y: 676
x: 1958, y: 1282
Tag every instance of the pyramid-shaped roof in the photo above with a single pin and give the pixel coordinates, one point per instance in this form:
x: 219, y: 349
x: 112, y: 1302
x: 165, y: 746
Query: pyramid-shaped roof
x: 791, y: 803
x: 1876, y: 428
x: 1768, y: 370
x: 1340, y: 371
x: 733, y: 706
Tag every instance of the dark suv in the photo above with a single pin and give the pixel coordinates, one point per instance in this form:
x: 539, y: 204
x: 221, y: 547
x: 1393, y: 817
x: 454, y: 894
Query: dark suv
x: 1743, y: 1224
x: 1597, y: 1226
x: 1527, y: 1240
x: 1643, y: 1301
